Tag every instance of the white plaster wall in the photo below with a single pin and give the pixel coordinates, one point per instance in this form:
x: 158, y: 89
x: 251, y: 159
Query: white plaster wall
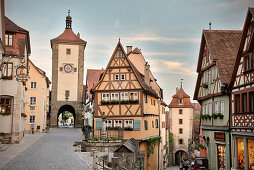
x: 5, y: 124
x: 187, y: 117
x: 67, y: 81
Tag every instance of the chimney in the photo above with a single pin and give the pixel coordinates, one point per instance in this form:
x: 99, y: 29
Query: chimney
x: 78, y: 34
x: 210, y: 25
x: 146, y: 72
x: 177, y: 89
x: 129, y: 49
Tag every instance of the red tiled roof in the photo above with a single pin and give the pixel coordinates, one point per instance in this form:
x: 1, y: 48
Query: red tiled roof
x: 12, y: 27
x: 180, y: 95
x: 136, y: 51
x: 92, y: 78
x: 68, y: 36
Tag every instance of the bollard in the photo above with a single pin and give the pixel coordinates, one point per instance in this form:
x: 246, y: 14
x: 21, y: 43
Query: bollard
x: 114, y: 163
x: 95, y: 159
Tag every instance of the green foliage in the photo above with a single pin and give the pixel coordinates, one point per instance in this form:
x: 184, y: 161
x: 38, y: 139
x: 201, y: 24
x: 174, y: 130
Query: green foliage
x: 201, y: 146
x: 66, y: 115
x: 171, y: 140
x: 151, y: 143
x: 197, y: 117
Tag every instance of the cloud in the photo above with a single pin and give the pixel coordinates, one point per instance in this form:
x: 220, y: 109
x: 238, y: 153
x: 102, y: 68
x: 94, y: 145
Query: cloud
x: 235, y: 3
x: 171, y: 67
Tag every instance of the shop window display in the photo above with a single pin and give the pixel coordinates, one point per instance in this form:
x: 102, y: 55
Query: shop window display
x: 221, y: 157
x: 251, y: 153
x: 240, y: 152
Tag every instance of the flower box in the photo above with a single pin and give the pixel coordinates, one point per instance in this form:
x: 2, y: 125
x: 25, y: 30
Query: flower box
x: 204, y: 85
x: 6, y: 77
x: 201, y: 146
x: 23, y: 115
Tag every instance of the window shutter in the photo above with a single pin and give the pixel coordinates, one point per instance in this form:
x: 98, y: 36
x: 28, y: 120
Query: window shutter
x: 98, y: 124
x: 136, y: 125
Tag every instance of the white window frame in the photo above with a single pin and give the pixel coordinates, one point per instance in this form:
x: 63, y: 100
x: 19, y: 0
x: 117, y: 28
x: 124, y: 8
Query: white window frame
x: 206, y: 109
x: 122, y: 76
x: 180, y: 101
x: 222, y: 107
x: 114, y: 96
x: 135, y: 95
x: 30, y: 122
x: 216, y: 107
x: 105, y: 97
x: 119, y: 54
x: 128, y: 123
x: 9, y: 39
x: 7, y: 69
x: 203, y: 109
x: 210, y: 108
x: 109, y: 123
x: 33, y: 101
x: 124, y: 96
x: 118, y: 123
x: 116, y: 76
x: 212, y: 74
x: 33, y: 85
x: 206, y: 76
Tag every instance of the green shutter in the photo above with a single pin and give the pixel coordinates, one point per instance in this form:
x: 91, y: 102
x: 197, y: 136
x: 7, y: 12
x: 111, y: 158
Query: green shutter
x: 98, y: 124
x: 136, y: 125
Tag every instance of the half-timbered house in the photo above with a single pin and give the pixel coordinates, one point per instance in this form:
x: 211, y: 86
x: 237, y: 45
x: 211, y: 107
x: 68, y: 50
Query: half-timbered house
x: 217, y: 56
x: 242, y: 99
x: 125, y: 97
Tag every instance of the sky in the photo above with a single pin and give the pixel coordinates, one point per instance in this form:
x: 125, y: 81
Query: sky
x: 168, y: 32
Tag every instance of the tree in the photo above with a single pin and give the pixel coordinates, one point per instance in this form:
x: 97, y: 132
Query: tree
x: 65, y: 116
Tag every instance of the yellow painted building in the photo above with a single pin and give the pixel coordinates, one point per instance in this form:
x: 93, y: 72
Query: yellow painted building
x: 126, y: 98
x: 37, y: 98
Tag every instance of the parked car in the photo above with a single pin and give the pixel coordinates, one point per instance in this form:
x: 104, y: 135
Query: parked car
x: 200, y: 163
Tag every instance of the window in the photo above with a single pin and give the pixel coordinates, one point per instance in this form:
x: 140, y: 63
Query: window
x: 252, y: 101
x: 146, y: 124
x: 105, y: 96
x: 75, y: 69
x: 119, y: 54
x: 32, y: 101
x: 32, y: 119
x: 145, y: 98
x: 216, y: 107
x: 213, y: 74
x: 180, y: 121
x: 118, y: 123
x: 244, y: 102
x: 156, y: 123
x: 206, y: 109
x: 128, y: 123
x: 5, y: 103
x: 206, y: 77
x: 180, y: 131
x: 203, y: 109
x: 133, y: 96
x: 7, y: 70
x: 210, y: 108
x: 116, y: 76
x: 237, y: 103
x: 124, y: 96
x: 33, y: 85
x: 247, y: 63
x: 8, y: 39
x: 67, y: 93
x: 122, y: 76
x: 180, y: 111
x: 108, y: 123
x: 222, y: 107
x: 163, y: 124
x: 181, y: 101
x: 114, y: 96
x: 61, y: 68
x: 68, y: 51
x: 152, y: 124
x: 180, y: 141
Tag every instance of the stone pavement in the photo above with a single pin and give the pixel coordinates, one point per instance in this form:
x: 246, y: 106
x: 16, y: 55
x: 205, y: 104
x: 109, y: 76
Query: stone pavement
x: 54, y: 150
x: 15, y: 149
x: 173, y: 168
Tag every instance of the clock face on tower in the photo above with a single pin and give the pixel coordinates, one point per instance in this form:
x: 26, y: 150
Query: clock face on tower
x: 68, y: 68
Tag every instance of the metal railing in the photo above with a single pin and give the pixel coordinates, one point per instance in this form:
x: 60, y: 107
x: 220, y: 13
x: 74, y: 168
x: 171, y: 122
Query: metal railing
x: 116, y: 134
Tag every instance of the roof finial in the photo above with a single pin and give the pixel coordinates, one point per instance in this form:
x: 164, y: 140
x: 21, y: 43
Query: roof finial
x: 119, y: 39
x: 210, y: 25
x: 69, y: 12
x: 181, y: 83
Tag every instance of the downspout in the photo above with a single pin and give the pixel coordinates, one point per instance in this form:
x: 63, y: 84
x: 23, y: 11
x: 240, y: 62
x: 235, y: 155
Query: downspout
x: 159, y: 161
x: 229, y: 129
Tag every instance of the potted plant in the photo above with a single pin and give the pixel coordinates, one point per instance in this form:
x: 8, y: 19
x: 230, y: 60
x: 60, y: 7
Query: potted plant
x: 7, y: 77
x: 220, y: 115
x: 215, y: 115
x: 205, y: 85
x: 201, y: 146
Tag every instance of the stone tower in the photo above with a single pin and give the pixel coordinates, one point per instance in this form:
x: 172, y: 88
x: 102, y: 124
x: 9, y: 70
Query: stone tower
x: 67, y: 75
x: 181, y: 120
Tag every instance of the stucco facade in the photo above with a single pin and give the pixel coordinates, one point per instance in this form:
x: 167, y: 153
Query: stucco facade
x: 37, y: 87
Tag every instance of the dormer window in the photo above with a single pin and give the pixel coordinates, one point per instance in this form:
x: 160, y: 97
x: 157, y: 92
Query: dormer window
x: 180, y: 101
x: 8, y: 39
x: 119, y: 54
x: 116, y: 76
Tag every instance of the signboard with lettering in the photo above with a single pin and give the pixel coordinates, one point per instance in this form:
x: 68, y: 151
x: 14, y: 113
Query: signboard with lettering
x: 219, y: 136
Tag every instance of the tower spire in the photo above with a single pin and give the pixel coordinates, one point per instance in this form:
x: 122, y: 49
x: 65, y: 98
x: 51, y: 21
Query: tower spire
x: 68, y: 21
x: 181, y: 83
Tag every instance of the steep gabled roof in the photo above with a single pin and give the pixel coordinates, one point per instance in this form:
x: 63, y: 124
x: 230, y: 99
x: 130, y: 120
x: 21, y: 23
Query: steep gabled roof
x: 92, y: 78
x: 141, y: 81
x: 223, y: 46
x: 12, y: 27
x: 130, y: 145
x: 68, y: 36
x: 180, y: 94
x: 138, y: 60
x: 249, y: 16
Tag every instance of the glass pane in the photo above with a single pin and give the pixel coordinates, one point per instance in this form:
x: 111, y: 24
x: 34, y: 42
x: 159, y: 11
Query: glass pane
x: 251, y: 153
x: 240, y: 152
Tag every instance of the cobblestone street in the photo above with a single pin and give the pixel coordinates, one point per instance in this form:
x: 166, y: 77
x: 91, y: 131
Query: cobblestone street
x: 54, y: 150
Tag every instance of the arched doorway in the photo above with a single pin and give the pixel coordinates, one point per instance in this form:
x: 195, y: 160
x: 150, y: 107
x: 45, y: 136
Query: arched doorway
x: 180, y: 156
x: 66, y: 116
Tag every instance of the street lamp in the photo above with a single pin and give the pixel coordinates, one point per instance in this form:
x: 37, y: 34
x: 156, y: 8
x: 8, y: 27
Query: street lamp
x: 2, y: 110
